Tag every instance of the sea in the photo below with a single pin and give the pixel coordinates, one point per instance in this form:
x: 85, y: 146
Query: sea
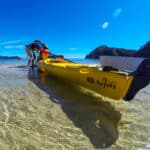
x: 39, y: 112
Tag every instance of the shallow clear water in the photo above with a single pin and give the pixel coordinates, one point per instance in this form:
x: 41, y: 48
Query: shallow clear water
x: 38, y: 112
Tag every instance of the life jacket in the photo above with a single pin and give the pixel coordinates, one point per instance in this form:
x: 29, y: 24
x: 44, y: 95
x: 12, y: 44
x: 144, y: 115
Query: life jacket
x: 44, y: 53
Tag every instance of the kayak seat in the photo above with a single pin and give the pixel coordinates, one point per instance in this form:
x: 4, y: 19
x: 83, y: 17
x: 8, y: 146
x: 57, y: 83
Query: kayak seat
x: 109, y: 68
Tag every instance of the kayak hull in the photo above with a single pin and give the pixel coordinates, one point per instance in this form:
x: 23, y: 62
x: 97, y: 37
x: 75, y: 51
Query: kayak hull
x: 111, y: 84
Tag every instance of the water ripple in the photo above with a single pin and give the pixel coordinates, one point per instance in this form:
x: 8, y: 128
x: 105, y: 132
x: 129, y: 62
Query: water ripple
x: 37, y: 112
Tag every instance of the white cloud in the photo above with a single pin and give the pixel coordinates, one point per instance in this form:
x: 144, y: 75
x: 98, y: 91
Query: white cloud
x: 14, y: 46
x: 11, y: 42
x: 105, y: 25
x: 117, y: 12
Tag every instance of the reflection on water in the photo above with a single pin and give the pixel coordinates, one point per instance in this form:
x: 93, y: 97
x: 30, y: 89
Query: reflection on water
x: 39, y: 112
x: 97, y: 119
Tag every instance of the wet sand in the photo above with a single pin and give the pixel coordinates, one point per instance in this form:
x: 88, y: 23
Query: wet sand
x: 44, y: 113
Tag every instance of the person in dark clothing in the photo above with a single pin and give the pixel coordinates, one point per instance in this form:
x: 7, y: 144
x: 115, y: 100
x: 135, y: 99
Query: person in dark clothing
x: 40, y: 48
x: 36, y: 45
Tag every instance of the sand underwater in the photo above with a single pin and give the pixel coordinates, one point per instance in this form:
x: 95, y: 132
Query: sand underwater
x: 44, y: 113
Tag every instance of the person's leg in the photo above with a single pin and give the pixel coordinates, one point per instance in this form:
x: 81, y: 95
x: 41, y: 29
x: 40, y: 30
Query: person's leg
x: 29, y: 61
x: 32, y: 61
x: 39, y: 57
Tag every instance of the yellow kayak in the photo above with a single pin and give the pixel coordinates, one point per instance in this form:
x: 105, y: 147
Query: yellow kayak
x: 112, y: 84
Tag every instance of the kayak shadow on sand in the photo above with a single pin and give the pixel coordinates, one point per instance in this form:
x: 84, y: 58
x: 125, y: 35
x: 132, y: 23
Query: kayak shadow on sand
x: 97, y: 119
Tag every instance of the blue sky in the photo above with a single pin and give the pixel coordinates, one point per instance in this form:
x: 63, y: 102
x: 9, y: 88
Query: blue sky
x: 73, y: 27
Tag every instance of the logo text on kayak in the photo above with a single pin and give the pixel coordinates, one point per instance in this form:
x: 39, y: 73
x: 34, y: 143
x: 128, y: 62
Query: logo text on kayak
x: 103, y: 82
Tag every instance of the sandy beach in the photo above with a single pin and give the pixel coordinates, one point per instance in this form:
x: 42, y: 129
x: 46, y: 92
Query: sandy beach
x: 44, y: 113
